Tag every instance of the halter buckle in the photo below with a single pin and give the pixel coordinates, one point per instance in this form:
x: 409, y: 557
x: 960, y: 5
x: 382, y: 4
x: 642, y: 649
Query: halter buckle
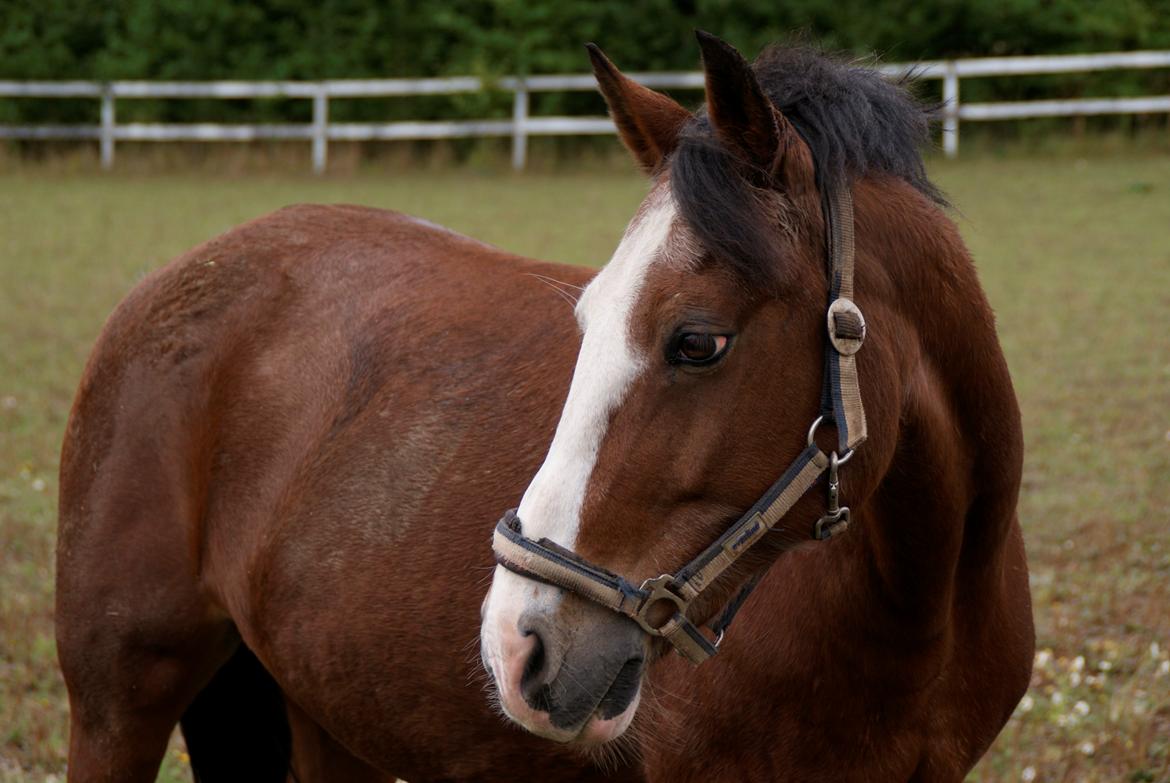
x: 658, y: 589
x: 846, y: 326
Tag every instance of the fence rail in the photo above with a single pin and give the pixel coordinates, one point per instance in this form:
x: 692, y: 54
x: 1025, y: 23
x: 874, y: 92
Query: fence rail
x: 320, y: 131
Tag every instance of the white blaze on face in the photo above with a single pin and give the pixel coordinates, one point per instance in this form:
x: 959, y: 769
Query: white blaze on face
x: 606, y: 366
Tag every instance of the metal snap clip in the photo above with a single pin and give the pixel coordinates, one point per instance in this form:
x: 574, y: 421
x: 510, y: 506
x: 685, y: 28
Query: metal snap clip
x: 836, y: 520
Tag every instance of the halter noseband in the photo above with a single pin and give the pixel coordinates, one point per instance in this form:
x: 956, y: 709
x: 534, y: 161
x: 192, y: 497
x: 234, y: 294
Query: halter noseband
x: 552, y: 564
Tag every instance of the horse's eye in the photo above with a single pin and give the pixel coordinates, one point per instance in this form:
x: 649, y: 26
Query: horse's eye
x: 698, y: 348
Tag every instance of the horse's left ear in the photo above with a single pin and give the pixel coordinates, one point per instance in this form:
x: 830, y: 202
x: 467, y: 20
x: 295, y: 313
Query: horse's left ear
x: 746, y: 120
x: 648, y: 121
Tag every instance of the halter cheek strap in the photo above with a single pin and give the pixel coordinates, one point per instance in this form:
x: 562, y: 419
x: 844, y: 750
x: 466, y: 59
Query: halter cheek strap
x: 670, y: 596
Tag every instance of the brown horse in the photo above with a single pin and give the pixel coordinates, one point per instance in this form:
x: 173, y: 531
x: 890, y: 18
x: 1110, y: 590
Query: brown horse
x: 894, y: 652
x: 290, y: 445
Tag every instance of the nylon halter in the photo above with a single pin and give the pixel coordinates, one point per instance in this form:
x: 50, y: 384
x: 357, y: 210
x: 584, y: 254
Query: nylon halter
x: 546, y: 561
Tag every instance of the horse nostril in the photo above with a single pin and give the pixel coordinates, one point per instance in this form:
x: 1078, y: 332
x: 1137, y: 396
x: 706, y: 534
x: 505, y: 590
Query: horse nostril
x: 534, y: 666
x: 534, y: 680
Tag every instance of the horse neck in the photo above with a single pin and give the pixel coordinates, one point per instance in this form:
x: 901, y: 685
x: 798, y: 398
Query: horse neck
x: 945, y: 432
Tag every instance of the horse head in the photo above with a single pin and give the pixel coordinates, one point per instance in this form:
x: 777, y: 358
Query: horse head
x: 700, y: 370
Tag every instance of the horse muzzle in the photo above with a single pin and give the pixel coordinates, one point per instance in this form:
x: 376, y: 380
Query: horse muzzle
x: 563, y: 669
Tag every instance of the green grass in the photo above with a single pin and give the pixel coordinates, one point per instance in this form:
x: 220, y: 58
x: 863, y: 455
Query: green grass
x: 1075, y: 255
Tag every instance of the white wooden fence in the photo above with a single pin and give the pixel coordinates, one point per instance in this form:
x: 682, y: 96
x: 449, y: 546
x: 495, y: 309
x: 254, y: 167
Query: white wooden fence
x: 522, y: 125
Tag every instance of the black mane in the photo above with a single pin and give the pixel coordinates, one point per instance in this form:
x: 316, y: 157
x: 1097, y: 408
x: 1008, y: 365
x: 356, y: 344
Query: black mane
x: 854, y: 120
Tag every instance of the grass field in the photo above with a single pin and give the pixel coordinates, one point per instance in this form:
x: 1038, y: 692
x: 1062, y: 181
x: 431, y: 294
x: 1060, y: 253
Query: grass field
x: 1074, y: 253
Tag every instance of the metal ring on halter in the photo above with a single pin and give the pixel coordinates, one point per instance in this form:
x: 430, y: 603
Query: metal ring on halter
x: 812, y: 431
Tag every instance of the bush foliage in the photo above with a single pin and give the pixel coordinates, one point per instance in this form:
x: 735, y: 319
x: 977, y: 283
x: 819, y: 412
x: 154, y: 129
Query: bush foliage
x: 296, y: 39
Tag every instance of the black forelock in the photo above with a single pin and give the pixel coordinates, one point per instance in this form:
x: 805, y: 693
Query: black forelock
x: 724, y: 210
x: 854, y: 120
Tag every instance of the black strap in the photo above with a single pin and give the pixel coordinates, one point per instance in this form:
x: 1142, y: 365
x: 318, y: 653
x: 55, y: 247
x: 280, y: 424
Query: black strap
x: 732, y: 609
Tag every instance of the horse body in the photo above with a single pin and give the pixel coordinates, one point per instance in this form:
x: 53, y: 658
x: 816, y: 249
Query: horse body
x: 293, y: 441
x: 281, y: 437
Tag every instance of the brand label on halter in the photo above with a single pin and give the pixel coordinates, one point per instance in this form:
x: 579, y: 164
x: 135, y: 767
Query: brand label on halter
x: 745, y: 535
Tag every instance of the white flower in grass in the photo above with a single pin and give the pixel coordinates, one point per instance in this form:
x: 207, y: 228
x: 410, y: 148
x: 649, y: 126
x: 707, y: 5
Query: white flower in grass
x: 1082, y: 708
x: 1043, y: 658
x: 38, y: 485
x: 1078, y: 663
x: 1164, y: 668
x: 1058, y: 698
x: 1028, y: 775
x: 1155, y: 650
x: 1087, y: 748
x: 1075, y: 679
x: 1105, y: 666
x: 1027, y: 703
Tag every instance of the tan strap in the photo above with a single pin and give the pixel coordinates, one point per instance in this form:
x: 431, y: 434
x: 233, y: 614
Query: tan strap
x: 841, y: 223
x: 755, y: 524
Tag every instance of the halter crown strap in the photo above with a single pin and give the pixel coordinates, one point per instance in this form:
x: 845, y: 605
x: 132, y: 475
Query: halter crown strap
x: 659, y: 605
x: 841, y: 401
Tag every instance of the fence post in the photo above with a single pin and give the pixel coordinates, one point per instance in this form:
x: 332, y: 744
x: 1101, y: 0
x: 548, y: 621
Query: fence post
x: 320, y: 130
x: 951, y: 110
x: 107, y: 130
x: 520, y: 126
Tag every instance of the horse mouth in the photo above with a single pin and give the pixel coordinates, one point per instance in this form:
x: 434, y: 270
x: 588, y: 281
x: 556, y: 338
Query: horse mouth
x: 590, y: 722
x: 584, y: 722
x: 622, y: 690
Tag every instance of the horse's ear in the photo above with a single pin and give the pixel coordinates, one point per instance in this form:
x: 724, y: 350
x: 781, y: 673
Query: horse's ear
x: 649, y: 122
x: 746, y: 120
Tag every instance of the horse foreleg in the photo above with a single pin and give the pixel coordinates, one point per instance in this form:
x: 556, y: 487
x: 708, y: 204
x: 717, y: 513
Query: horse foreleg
x: 126, y: 696
x: 137, y: 635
